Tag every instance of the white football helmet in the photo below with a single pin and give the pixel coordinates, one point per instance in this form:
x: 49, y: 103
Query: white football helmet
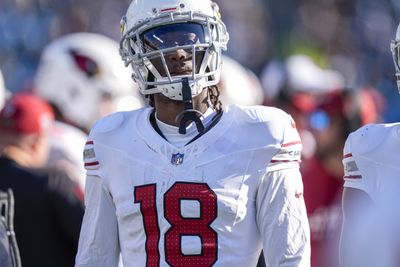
x: 2, y: 91
x: 239, y: 85
x: 83, y: 76
x: 197, y: 29
x: 395, y: 47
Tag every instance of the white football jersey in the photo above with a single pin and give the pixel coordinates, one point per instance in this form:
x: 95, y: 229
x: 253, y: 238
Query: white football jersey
x: 214, y: 202
x: 372, y: 164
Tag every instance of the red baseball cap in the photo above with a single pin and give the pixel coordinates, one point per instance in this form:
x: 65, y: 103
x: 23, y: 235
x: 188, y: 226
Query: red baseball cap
x: 26, y: 113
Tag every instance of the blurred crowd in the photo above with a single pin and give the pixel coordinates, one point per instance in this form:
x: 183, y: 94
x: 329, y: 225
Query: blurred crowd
x: 327, y: 63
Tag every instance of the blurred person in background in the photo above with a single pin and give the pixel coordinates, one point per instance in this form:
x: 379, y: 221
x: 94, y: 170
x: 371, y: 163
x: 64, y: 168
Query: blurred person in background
x: 9, y: 251
x: 48, y: 205
x: 239, y: 85
x: 82, y: 77
x: 295, y: 85
x: 4, y: 93
x: 5, y: 251
x: 325, y: 114
x: 336, y: 115
x: 371, y: 231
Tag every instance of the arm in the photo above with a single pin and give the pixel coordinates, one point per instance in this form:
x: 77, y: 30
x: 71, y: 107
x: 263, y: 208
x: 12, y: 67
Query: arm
x: 98, y: 242
x: 357, y: 208
x: 281, y: 212
x: 282, y: 219
x: 356, y: 212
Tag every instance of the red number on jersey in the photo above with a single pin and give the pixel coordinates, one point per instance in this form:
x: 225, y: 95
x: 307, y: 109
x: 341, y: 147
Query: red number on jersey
x: 180, y: 226
x: 146, y: 196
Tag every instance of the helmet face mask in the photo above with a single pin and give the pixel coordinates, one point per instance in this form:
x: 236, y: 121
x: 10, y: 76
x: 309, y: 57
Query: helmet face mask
x: 191, y: 27
x: 395, y: 48
x: 2, y: 91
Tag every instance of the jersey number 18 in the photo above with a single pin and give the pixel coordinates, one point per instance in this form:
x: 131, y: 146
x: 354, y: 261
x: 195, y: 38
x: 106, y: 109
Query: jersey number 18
x: 180, y: 226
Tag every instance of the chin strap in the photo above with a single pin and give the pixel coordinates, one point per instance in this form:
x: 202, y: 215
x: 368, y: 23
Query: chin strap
x: 188, y: 114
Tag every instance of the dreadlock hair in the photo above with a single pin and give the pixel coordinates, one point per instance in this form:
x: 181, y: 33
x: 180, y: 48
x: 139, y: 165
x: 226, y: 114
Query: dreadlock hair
x: 214, y: 93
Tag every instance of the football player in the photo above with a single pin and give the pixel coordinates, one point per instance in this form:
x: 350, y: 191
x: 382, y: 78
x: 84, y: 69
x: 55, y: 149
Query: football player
x: 187, y: 181
x: 371, y: 230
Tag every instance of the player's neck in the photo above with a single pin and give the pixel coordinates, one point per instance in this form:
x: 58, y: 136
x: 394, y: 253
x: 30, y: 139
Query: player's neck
x: 167, y: 110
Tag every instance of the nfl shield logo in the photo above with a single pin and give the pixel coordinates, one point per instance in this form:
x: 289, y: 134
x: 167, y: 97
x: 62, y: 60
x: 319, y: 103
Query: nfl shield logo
x: 177, y: 159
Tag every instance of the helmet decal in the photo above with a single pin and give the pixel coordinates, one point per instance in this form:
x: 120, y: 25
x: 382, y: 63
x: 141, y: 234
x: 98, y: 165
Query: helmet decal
x: 85, y: 64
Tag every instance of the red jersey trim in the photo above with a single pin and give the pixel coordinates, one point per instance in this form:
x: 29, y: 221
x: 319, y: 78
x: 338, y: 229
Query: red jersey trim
x: 292, y: 144
x: 285, y: 161
x: 89, y: 143
x: 353, y: 177
x: 94, y: 163
x: 347, y: 156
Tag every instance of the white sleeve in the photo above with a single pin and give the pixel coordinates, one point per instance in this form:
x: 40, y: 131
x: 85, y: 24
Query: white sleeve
x: 358, y: 246
x: 98, y: 241
x: 289, y: 153
x: 352, y: 174
x: 282, y: 219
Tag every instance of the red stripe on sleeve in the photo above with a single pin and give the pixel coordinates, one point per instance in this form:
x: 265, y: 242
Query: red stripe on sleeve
x: 353, y: 177
x: 292, y: 144
x: 285, y: 161
x: 87, y: 164
x: 347, y: 156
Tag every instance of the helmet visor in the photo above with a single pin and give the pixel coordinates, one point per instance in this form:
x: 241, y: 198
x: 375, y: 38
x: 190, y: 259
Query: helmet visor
x: 187, y: 39
x: 172, y: 35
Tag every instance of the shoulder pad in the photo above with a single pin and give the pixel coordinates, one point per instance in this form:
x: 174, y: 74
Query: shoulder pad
x: 263, y: 113
x: 109, y: 123
x: 367, y: 138
x: 273, y: 122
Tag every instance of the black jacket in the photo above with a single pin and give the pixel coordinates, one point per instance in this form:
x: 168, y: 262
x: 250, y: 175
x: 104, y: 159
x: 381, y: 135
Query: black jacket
x: 48, y: 213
